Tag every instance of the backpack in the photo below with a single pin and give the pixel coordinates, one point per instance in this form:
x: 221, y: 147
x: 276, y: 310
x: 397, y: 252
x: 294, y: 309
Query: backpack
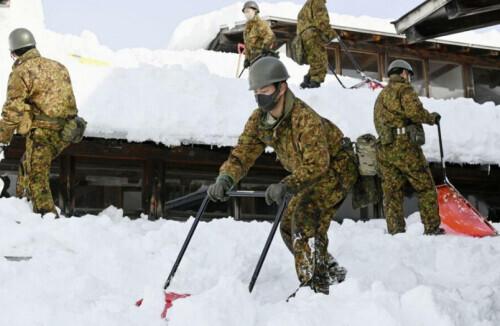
x: 296, y: 50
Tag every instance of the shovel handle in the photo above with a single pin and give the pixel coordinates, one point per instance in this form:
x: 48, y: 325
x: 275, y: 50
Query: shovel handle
x: 269, y: 240
x: 441, y: 151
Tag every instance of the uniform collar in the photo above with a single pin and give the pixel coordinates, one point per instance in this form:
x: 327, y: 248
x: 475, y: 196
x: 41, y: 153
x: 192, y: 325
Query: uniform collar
x: 31, y: 54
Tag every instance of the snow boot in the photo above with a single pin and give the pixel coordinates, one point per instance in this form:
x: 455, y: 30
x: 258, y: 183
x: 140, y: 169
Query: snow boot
x: 321, y: 284
x: 310, y: 84
x: 438, y: 231
x: 337, y: 272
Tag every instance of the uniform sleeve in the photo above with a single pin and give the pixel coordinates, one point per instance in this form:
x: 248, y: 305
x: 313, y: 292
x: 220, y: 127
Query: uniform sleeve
x: 269, y: 37
x: 14, y: 107
x: 413, y: 108
x: 312, y: 142
x: 322, y: 20
x: 251, y: 39
x: 243, y: 156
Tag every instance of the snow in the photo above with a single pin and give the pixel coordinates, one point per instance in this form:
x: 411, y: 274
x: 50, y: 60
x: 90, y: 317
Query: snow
x: 191, y: 96
x: 211, y: 22
x: 91, y: 270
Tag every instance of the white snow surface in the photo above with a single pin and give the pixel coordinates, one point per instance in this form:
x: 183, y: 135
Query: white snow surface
x: 192, y: 96
x: 91, y: 270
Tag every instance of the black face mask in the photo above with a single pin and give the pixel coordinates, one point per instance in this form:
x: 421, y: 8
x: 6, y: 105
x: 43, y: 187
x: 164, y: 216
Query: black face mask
x: 268, y: 102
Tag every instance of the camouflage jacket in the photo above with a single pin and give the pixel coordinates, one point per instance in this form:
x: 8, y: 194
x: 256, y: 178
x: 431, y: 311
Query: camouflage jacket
x: 37, y: 86
x: 258, y: 36
x: 308, y: 145
x: 398, y: 106
x: 314, y: 16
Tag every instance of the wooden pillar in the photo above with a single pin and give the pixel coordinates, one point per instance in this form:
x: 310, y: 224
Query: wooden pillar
x: 153, y: 188
x: 67, y: 184
x: 468, y: 81
x: 426, y: 76
x: 381, y: 65
x: 338, y: 61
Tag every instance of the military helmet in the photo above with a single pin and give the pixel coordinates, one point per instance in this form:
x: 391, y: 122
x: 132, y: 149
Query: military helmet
x: 21, y: 38
x: 399, y: 64
x: 251, y: 4
x: 266, y: 71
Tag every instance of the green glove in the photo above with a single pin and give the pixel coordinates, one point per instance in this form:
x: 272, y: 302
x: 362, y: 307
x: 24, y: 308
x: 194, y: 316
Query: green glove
x: 217, y: 191
x: 437, y: 117
x: 275, y: 193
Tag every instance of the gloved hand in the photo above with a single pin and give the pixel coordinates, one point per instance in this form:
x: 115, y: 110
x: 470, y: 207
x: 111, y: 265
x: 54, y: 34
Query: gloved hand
x: 271, y: 53
x: 246, y: 63
x: 437, y: 117
x: 275, y: 193
x: 217, y: 191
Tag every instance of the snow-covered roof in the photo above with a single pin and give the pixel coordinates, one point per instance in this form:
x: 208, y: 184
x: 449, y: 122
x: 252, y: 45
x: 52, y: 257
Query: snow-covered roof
x: 231, y: 15
x: 192, y: 96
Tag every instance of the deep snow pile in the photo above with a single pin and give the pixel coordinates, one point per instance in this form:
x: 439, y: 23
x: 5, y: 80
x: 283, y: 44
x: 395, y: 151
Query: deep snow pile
x: 192, y: 96
x: 90, y: 270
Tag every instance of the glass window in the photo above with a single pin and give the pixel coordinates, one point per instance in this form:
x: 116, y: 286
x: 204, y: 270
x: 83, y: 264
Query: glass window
x: 368, y: 63
x: 486, y: 85
x: 445, y: 80
x: 418, y: 81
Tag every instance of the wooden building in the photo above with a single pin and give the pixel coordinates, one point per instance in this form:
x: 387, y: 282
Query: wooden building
x: 443, y: 69
x: 142, y: 177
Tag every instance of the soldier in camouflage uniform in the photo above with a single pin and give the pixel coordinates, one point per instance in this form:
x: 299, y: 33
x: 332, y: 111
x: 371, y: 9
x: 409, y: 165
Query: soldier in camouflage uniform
x: 399, y: 116
x: 314, y: 151
x: 313, y: 25
x: 39, y: 101
x: 258, y: 36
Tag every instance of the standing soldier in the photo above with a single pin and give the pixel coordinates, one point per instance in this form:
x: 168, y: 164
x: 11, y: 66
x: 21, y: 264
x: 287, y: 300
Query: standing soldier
x: 39, y: 103
x: 321, y: 166
x: 399, y: 116
x: 313, y: 26
x: 258, y: 36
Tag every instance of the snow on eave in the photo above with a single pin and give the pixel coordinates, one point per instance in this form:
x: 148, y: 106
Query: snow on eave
x: 441, y: 40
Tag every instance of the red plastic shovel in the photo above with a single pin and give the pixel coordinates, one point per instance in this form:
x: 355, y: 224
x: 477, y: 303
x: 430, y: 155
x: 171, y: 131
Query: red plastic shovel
x: 170, y: 297
x: 458, y: 216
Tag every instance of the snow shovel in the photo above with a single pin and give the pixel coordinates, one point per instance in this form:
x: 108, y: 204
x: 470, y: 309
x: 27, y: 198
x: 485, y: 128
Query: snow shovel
x: 458, y: 216
x: 241, y: 50
x: 172, y: 296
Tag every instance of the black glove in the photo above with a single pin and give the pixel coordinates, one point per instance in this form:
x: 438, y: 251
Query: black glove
x: 270, y: 53
x: 246, y: 63
x: 437, y: 117
x: 217, y: 191
x: 275, y: 193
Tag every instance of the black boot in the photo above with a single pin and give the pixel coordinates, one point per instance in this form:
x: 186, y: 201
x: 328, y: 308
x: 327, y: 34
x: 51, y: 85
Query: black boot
x: 310, y: 84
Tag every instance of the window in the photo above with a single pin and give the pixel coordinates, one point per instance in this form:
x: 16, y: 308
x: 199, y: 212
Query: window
x: 445, y: 80
x: 486, y: 85
x: 417, y: 81
x: 367, y: 61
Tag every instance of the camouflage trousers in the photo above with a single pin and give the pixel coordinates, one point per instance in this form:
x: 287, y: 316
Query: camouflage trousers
x: 307, y: 219
x: 316, y: 55
x: 402, y: 162
x: 42, y: 147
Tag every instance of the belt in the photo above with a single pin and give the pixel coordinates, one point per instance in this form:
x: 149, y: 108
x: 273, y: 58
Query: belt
x: 45, y: 122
